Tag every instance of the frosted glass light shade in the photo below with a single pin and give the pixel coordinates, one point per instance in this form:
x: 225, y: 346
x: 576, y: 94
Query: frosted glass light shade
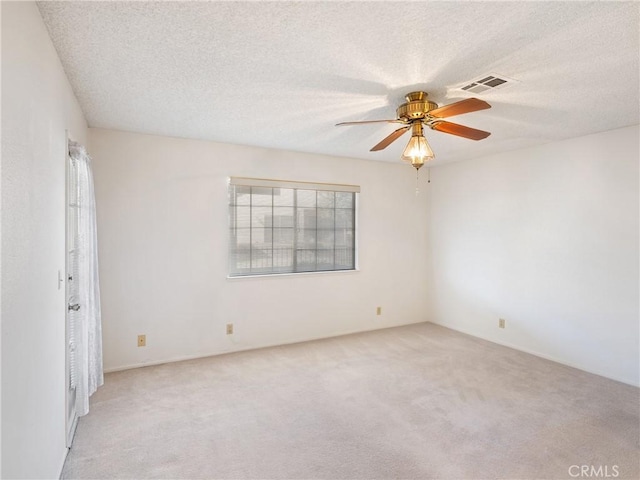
x: 417, y: 152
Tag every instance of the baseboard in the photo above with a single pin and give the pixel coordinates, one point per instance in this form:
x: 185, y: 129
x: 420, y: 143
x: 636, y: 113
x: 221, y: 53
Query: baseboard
x: 538, y: 354
x: 245, y: 349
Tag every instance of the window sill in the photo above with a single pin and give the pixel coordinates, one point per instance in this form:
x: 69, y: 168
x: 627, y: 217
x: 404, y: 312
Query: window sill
x: 297, y: 274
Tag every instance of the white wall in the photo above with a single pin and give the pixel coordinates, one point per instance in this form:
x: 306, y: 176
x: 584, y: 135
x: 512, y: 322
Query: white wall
x: 162, y: 221
x: 37, y: 106
x: 546, y: 238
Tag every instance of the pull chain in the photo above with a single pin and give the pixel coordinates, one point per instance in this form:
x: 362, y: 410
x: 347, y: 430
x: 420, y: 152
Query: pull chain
x: 428, y: 174
x: 417, y: 189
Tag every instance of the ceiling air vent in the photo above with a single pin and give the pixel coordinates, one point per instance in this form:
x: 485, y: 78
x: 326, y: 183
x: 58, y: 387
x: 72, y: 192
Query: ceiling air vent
x: 488, y: 82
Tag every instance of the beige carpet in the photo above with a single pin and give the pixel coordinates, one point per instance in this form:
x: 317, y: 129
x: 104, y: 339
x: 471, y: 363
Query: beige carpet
x: 414, y: 402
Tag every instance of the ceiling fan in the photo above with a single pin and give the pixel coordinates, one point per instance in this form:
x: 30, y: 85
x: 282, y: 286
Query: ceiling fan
x: 418, y: 111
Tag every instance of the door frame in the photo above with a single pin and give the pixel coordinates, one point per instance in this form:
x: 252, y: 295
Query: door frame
x: 70, y: 423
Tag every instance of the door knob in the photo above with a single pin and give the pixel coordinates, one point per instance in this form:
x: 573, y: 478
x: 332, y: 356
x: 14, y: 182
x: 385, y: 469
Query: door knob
x: 75, y: 307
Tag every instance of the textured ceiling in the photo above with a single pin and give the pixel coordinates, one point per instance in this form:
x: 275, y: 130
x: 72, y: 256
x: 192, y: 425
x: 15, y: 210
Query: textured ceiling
x: 281, y: 74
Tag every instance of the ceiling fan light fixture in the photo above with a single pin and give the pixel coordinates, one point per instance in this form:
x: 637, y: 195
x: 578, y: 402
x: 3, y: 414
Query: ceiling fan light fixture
x: 418, y: 111
x: 417, y: 151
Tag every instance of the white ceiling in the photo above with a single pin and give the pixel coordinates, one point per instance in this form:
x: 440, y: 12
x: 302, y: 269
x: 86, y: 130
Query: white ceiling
x: 281, y: 74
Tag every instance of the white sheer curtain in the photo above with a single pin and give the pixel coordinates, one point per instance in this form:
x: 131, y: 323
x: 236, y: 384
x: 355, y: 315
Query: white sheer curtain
x: 88, y: 326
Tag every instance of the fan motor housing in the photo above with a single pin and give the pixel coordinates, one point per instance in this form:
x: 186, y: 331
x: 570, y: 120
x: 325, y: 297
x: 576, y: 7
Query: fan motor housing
x: 417, y: 106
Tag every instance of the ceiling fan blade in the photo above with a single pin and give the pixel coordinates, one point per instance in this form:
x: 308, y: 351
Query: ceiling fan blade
x: 390, y: 138
x: 459, y: 130
x: 369, y: 121
x: 465, y: 106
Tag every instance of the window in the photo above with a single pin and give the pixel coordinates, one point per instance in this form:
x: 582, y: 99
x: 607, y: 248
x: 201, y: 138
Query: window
x: 290, y: 227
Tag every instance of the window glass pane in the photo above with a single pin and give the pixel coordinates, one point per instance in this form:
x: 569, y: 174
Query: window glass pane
x: 239, y: 216
x: 283, y: 197
x: 261, y: 217
x: 240, y: 259
x: 344, y: 218
x: 261, y: 237
x: 344, y: 199
x: 325, y: 238
x: 344, y: 258
x: 344, y: 237
x: 306, y: 217
x: 241, y: 236
x: 283, y: 217
x: 306, y: 198
x: 305, y: 260
x: 326, y: 199
x: 325, y: 217
x: 282, y: 237
x: 282, y: 259
x: 261, y: 259
x: 241, y: 195
x: 324, y: 259
x: 306, y: 238
x: 261, y: 197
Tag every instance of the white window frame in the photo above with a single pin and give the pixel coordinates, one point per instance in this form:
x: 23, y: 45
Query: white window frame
x: 233, y: 270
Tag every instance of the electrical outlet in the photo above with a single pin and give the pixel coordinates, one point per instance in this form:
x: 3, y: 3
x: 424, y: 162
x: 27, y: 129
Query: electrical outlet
x: 379, y: 311
x: 229, y: 328
x: 502, y: 323
x: 142, y: 340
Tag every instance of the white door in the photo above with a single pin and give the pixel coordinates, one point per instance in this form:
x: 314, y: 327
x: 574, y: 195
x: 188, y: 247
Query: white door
x: 72, y: 297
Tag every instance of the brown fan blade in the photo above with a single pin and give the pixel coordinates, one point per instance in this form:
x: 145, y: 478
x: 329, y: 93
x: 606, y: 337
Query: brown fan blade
x: 369, y: 121
x: 460, y: 130
x: 465, y: 106
x: 390, y: 138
